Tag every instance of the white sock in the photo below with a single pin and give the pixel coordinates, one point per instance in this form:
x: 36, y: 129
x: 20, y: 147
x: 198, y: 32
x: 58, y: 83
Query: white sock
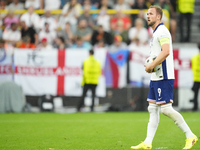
x: 153, y: 122
x: 168, y: 111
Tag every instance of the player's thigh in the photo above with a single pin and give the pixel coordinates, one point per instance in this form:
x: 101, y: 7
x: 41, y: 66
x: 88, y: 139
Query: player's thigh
x: 151, y: 94
x: 164, y: 91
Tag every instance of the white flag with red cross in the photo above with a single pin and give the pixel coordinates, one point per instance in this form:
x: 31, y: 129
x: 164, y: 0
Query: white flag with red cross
x: 182, y: 66
x: 55, y: 72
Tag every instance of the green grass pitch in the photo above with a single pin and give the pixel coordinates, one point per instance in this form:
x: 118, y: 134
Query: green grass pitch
x: 90, y: 131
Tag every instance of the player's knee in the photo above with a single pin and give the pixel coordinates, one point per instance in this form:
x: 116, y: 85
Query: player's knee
x: 166, y: 110
x: 152, y: 109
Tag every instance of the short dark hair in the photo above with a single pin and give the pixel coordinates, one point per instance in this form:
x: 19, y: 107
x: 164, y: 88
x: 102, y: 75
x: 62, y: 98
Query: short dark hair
x: 78, y: 38
x: 62, y: 39
x: 91, y: 52
x: 158, y: 10
x: 13, y: 24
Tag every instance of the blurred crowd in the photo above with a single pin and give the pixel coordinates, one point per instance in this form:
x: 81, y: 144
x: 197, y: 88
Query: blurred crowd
x: 76, y: 27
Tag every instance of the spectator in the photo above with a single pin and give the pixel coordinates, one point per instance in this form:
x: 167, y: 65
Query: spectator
x: 100, y: 44
x: 138, y: 32
x: 50, y: 35
x: 60, y: 43
x: 44, y: 45
x: 104, y: 4
x: 137, y: 46
x: 3, y: 6
x: 63, y: 2
x: 10, y: 19
x: 30, y: 18
x: 121, y: 5
x: 2, y: 44
x: 50, y: 4
x: 120, y: 19
x: 122, y: 32
x: 139, y: 4
x: 26, y: 43
x: 66, y: 34
x: 47, y: 18
x: 16, y: 5
x: 118, y: 44
x: 129, y: 2
x: 79, y: 43
x: 96, y: 3
x: 11, y: 35
x: 100, y: 34
x: 92, y: 7
x: 70, y: 13
x: 83, y: 31
x: 142, y: 16
x: 35, y: 3
x: 86, y: 16
x: 104, y: 19
x: 186, y: 9
x: 30, y: 32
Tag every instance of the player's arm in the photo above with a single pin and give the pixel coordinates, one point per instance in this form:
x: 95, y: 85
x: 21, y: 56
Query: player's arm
x: 164, y: 42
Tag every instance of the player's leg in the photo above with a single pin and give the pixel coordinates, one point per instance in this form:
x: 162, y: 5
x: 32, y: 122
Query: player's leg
x: 166, y: 93
x: 81, y: 102
x: 153, y: 120
x: 168, y: 111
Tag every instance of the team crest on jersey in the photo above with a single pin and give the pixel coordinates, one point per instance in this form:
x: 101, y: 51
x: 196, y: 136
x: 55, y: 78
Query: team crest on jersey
x: 2, y: 54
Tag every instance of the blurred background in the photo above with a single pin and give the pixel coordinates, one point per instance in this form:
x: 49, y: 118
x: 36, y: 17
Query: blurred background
x: 43, y: 44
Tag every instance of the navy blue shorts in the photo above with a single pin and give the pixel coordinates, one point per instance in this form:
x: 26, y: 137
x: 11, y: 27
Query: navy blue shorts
x: 161, y: 92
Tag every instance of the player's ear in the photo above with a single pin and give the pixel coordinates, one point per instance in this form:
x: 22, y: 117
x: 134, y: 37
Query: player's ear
x: 158, y: 17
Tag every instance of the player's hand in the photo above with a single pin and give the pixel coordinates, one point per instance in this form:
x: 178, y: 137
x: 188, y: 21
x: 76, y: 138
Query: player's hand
x: 148, y: 68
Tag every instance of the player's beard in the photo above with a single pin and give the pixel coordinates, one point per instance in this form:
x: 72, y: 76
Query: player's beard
x: 151, y: 23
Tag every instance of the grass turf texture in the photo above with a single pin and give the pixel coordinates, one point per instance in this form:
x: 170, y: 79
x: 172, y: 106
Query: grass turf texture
x: 90, y: 131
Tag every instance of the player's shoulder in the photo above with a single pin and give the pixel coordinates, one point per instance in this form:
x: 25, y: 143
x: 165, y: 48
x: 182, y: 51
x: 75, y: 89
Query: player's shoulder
x: 162, y: 29
x: 163, y: 32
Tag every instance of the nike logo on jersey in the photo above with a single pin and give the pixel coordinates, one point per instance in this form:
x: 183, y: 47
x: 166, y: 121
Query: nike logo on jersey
x: 159, y: 98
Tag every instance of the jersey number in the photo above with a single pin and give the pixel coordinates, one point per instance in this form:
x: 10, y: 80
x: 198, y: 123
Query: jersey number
x: 159, y: 91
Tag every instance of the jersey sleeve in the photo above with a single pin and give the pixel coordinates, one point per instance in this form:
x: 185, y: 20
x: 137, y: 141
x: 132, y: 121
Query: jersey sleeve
x: 163, y: 38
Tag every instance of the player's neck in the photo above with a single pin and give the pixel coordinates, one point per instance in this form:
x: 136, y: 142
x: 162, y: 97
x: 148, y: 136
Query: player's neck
x: 155, y: 25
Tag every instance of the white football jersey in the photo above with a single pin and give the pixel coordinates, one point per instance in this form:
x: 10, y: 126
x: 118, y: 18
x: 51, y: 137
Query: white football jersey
x: 167, y: 67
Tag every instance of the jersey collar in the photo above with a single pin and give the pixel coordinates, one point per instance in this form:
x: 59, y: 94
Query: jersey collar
x: 157, y: 27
